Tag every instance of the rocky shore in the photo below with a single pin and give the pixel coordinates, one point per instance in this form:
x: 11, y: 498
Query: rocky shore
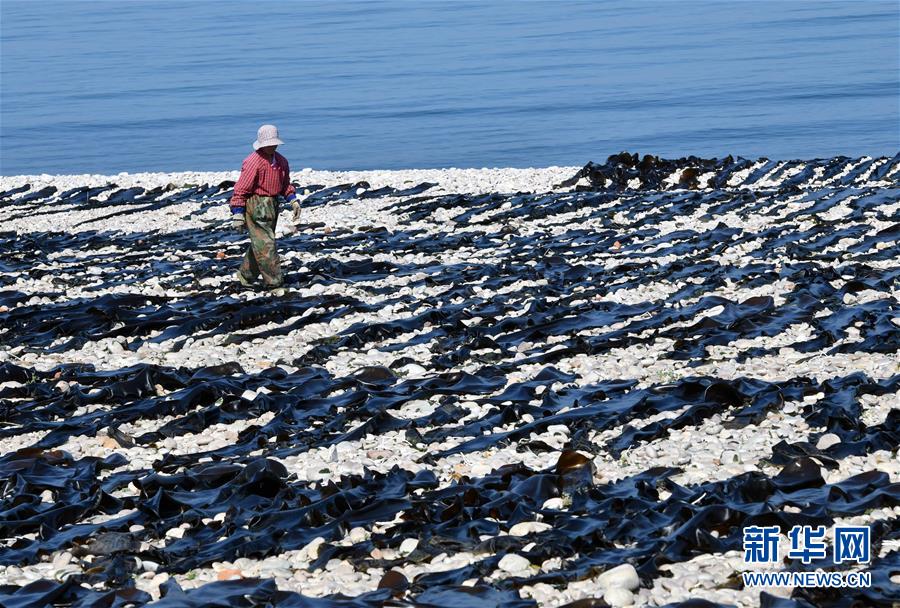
x: 480, y: 387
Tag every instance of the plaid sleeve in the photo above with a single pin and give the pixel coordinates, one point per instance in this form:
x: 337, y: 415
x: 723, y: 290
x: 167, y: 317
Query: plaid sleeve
x: 288, y: 192
x: 245, y: 184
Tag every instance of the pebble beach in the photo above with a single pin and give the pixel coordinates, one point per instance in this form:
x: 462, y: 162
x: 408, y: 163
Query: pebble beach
x: 479, y: 387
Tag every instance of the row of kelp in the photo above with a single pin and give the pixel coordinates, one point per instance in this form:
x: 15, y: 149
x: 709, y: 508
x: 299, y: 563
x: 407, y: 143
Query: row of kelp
x: 268, y: 511
x: 619, y: 172
x: 566, y: 262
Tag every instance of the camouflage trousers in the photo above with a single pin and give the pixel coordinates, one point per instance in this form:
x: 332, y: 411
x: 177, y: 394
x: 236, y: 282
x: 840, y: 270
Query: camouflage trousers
x: 261, y: 215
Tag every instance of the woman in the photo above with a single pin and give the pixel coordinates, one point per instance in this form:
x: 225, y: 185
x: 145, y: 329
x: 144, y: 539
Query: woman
x: 265, y: 175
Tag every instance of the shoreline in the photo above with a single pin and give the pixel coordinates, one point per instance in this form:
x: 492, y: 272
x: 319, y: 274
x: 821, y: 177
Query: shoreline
x: 763, y: 173
x: 451, y: 179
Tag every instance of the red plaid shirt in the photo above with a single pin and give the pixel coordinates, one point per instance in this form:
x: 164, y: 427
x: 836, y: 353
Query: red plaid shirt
x: 262, y: 176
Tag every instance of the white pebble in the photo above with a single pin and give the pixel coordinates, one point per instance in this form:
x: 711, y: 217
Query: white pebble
x: 527, y: 527
x: 624, y: 576
x: 408, y: 546
x: 617, y: 596
x: 827, y: 440
x: 513, y: 563
x: 555, y: 504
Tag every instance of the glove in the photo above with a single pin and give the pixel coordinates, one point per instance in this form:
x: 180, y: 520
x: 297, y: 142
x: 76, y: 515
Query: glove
x: 237, y: 221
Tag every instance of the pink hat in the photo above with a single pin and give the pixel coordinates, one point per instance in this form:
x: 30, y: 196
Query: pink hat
x: 267, y: 136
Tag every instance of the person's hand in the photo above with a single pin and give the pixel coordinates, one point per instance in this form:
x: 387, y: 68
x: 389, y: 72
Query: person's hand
x: 237, y: 222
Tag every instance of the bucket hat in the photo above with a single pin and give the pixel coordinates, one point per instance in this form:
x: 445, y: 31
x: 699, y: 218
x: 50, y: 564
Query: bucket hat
x: 267, y: 135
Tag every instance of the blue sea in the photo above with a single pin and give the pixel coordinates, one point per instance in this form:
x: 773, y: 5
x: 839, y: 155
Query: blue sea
x: 104, y: 87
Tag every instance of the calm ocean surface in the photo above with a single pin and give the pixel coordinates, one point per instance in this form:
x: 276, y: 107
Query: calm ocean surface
x: 104, y: 87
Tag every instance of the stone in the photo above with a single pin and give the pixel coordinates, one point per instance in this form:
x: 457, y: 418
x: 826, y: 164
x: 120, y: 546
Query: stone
x: 730, y: 457
x: 228, y: 574
x: 528, y: 527
x: 827, y: 440
x: 618, y: 597
x: 543, y: 593
x: 624, y: 576
x: 276, y: 563
x: 279, y: 574
x: 159, y: 579
x: 379, y: 454
x: 62, y: 559
x: 408, y: 546
x: 513, y: 563
x: 312, y: 549
x: 413, y: 370
x: 555, y: 504
x: 554, y: 563
x: 175, y: 533
x: 358, y: 535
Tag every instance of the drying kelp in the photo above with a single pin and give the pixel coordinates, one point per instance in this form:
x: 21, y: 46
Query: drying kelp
x: 458, y: 399
x: 631, y: 171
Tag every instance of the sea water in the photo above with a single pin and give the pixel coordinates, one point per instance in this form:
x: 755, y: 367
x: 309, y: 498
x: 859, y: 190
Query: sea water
x: 104, y: 87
